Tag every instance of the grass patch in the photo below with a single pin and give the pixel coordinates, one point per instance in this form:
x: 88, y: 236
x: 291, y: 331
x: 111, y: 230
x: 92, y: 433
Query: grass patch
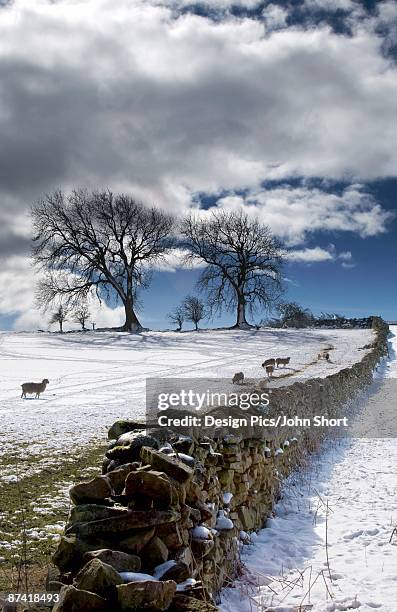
x: 33, y: 510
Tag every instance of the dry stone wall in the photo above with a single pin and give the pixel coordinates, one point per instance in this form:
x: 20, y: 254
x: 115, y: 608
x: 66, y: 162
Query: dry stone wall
x: 162, y: 527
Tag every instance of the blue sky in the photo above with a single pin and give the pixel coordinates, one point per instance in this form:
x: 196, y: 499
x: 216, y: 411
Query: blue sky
x: 285, y: 109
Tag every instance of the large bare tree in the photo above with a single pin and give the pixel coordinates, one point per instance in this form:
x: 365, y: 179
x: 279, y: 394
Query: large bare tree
x: 243, y: 261
x: 98, y: 241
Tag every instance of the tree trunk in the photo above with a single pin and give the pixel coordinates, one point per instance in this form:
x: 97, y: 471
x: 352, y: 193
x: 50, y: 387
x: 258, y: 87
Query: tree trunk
x: 131, y: 320
x: 241, y: 321
x: 61, y: 326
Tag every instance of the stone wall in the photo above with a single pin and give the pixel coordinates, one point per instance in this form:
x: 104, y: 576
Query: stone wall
x: 162, y: 527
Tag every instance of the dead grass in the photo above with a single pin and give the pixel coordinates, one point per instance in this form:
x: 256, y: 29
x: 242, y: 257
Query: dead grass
x: 34, y: 510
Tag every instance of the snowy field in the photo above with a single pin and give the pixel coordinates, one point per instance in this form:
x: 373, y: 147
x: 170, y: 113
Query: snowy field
x: 330, y: 545
x: 97, y: 378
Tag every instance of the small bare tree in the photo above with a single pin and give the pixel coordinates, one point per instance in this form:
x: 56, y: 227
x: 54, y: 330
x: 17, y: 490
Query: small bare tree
x: 294, y: 315
x: 243, y: 261
x: 177, y: 317
x: 82, y: 314
x: 59, y: 316
x: 84, y: 241
x: 194, y: 310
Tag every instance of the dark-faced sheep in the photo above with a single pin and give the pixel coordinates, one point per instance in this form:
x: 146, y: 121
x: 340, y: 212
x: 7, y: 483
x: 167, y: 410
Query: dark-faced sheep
x: 269, y: 362
x: 282, y: 361
x: 238, y: 378
x: 36, y: 388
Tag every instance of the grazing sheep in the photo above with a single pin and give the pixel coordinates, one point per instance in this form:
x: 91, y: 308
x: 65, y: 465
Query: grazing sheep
x: 268, y: 362
x: 238, y: 378
x: 282, y: 361
x: 324, y: 355
x: 36, y: 388
x: 270, y: 370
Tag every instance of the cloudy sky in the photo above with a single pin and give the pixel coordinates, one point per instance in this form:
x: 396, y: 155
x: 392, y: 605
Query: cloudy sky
x: 287, y: 109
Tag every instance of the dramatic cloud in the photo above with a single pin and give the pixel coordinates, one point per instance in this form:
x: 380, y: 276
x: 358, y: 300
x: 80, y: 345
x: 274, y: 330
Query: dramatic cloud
x: 129, y: 94
x: 151, y: 97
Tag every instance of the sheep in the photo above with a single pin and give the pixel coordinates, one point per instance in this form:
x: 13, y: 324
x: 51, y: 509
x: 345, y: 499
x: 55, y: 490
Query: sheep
x: 36, y: 388
x: 282, y: 361
x: 238, y: 378
x: 268, y: 362
x: 269, y: 370
x: 323, y: 355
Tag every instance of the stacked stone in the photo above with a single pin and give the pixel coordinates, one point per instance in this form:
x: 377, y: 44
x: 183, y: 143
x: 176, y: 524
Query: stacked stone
x: 161, y: 526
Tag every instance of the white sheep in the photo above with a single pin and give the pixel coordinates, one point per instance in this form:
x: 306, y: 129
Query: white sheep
x: 36, y: 388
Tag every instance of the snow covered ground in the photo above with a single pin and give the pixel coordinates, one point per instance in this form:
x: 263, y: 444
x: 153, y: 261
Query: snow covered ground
x: 330, y: 545
x: 97, y: 378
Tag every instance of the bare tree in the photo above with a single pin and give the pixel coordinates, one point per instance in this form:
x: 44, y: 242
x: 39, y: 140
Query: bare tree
x: 194, y: 310
x: 243, y: 261
x: 177, y: 317
x: 97, y: 240
x: 294, y: 315
x: 82, y: 314
x: 60, y: 315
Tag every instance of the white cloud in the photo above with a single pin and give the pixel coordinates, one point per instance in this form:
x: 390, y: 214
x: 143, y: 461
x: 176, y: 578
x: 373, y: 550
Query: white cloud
x: 345, y: 256
x: 18, y: 279
x: 295, y: 213
x: 348, y: 266
x: 318, y: 254
x: 101, y: 315
x: 175, y: 260
x: 310, y: 255
x: 331, y: 5
x: 275, y: 17
x: 387, y: 12
x: 211, y: 4
x: 104, y: 316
